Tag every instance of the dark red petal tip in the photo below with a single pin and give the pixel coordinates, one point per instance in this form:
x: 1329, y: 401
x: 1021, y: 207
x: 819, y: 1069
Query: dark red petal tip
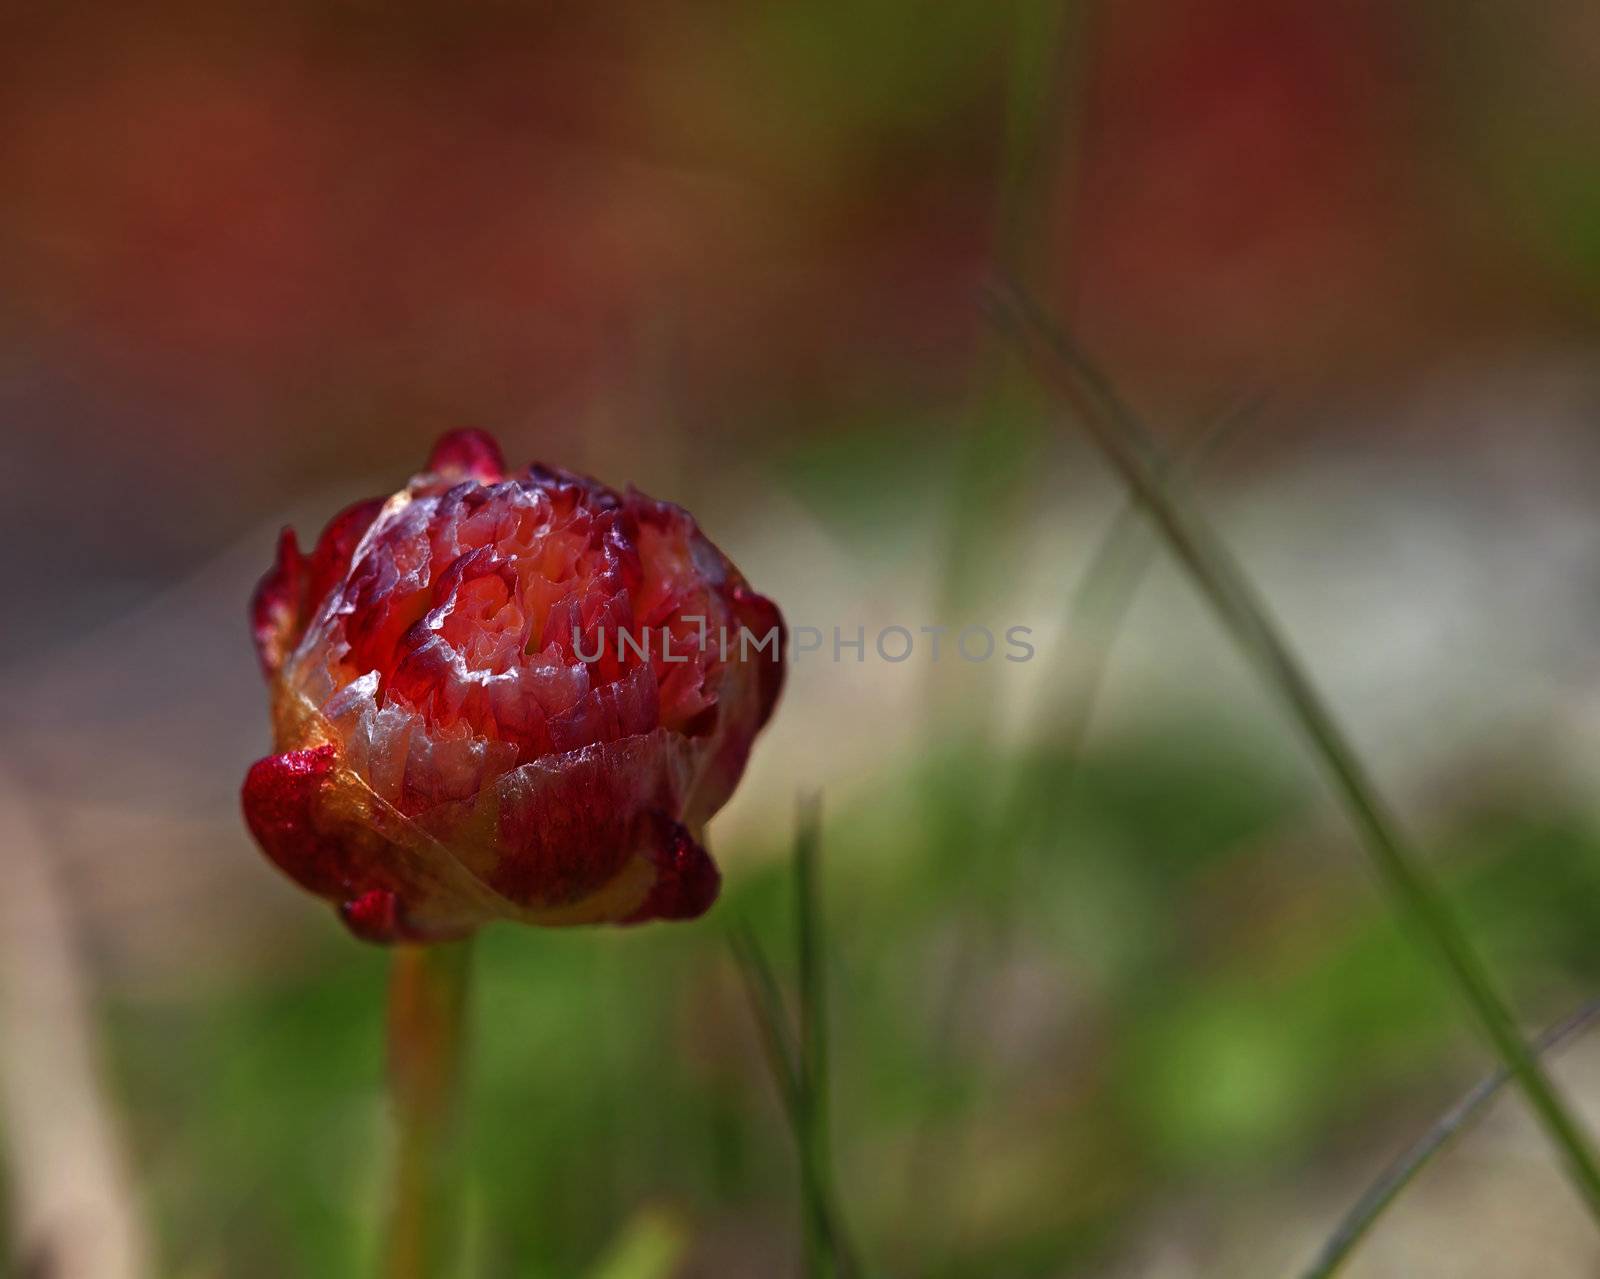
x: 760, y: 617
x: 468, y: 454
x: 275, y: 621
x: 374, y: 916
x: 687, y: 880
x: 279, y: 800
x: 330, y: 559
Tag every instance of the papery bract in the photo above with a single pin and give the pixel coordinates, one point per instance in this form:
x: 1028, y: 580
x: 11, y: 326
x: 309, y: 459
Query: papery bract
x: 515, y: 697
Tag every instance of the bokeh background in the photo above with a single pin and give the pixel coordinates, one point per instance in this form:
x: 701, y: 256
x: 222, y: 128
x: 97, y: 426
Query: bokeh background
x: 1114, y: 993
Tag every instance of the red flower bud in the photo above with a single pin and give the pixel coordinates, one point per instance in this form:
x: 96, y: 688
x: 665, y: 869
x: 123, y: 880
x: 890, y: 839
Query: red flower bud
x: 505, y: 697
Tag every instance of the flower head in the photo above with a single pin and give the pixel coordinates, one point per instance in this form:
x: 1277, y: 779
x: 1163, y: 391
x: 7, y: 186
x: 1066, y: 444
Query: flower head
x: 497, y: 696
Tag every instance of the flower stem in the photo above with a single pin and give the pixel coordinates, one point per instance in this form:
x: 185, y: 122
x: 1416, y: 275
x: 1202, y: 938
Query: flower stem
x: 427, y: 1014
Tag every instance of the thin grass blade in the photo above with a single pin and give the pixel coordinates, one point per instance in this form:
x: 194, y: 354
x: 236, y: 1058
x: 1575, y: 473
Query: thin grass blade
x: 799, y: 1063
x: 1377, y: 1197
x: 1059, y: 723
x: 812, y: 1127
x: 1125, y: 444
x: 771, y: 1018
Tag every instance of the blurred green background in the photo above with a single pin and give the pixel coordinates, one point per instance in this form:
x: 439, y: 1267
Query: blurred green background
x: 1113, y: 991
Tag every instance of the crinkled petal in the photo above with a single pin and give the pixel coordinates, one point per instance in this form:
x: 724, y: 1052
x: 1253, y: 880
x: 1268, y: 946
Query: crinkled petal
x: 330, y: 561
x: 558, y: 835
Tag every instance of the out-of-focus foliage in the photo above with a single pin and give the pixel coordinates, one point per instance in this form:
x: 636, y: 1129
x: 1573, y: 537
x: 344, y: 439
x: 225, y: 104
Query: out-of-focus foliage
x: 1183, y: 1000
x: 1103, y: 1014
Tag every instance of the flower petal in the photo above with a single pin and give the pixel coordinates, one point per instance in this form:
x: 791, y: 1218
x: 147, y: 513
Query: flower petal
x: 275, y: 607
x: 687, y: 880
x: 468, y: 454
x: 314, y: 821
x: 558, y: 836
x: 760, y: 617
x: 330, y: 561
x: 375, y: 916
x: 280, y: 802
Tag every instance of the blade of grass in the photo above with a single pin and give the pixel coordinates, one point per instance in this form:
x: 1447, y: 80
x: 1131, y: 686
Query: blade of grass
x: 784, y: 1062
x: 1037, y: 84
x: 1124, y: 443
x: 813, y: 979
x: 990, y: 466
x: 1377, y: 1197
x: 993, y: 460
x: 1060, y: 723
x: 823, y: 1232
x: 771, y: 1018
x: 1100, y: 604
x: 800, y: 1065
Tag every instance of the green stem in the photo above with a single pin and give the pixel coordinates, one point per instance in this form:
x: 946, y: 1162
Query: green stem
x: 1125, y: 445
x: 427, y: 1014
